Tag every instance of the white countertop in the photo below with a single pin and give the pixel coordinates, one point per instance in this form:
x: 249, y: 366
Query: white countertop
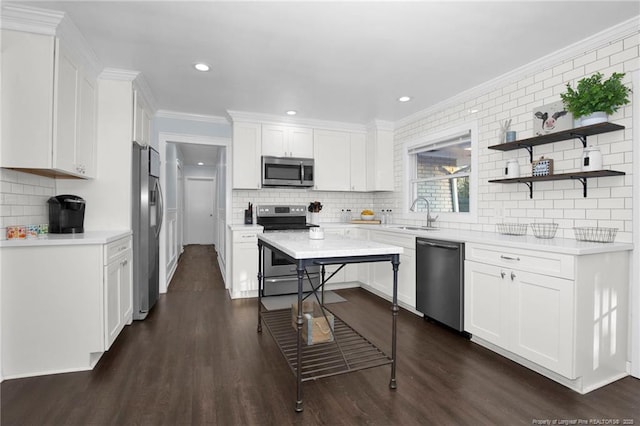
x: 298, y: 245
x: 529, y: 242
x: 86, y: 238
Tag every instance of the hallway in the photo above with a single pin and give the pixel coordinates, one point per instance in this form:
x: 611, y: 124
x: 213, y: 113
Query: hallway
x: 197, y: 360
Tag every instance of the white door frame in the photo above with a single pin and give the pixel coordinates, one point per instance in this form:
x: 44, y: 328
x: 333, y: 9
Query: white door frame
x: 213, y: 195
x: 178, y: 138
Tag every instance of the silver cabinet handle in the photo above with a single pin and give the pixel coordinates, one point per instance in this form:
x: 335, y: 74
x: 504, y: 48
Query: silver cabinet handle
x: 502, y: 256
x: 512, y: 275
x: 502, y: 274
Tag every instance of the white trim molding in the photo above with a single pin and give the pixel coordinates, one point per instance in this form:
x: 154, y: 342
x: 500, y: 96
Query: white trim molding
x: 175, y: 115
x: 281, y: 120
x: 634, y: 290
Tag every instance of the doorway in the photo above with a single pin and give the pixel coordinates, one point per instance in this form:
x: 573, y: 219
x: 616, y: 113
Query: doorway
x: 199, y: 219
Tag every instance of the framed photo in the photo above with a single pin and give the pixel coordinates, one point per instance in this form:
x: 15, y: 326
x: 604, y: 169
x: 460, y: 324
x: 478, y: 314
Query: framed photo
x: 551, y: 118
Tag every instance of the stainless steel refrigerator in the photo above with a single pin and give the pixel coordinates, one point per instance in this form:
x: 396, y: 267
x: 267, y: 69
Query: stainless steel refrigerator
x: 146, y: 222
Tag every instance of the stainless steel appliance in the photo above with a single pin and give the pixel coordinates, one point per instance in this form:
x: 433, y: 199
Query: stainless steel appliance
x: 280, y: 276
x: 287, y: 171
x: 146, y: 223
x: 439, y: 281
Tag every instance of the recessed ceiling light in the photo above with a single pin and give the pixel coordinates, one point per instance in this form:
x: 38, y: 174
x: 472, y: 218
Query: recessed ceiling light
x: 200, y: 163
x: 404, y: 98
x: 201, y: 66
x: 292, y: 112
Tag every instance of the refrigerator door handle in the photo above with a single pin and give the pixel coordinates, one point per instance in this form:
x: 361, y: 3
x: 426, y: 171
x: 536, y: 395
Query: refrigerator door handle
x: 159, y: 209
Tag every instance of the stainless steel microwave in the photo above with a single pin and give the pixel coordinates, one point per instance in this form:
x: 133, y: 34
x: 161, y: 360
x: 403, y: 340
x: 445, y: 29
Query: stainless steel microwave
x: 287, y: 171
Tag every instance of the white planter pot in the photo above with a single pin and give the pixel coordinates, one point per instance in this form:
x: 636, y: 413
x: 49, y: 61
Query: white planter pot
x: 593, y: 118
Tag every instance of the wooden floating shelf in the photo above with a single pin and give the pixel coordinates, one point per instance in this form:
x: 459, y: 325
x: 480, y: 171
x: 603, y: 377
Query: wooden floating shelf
x: 577, y: 133
x: 581, y: 176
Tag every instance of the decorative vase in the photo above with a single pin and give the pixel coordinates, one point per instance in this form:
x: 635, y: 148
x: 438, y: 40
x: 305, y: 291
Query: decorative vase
x: 314, y: 218
x: 593, y: 118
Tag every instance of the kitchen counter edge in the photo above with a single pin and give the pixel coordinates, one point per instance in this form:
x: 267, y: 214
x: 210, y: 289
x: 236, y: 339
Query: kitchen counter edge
x: 86, y: 238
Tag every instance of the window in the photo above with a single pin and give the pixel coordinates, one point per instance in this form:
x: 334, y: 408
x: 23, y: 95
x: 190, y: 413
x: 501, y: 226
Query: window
x: 442, y: 170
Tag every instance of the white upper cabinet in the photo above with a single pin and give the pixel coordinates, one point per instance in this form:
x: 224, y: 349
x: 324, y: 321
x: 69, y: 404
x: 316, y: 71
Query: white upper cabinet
x: 286, y: 141
x: 340, y: 161
x: 141, y: 119
x: 48, y: 107
x: 246, y: 161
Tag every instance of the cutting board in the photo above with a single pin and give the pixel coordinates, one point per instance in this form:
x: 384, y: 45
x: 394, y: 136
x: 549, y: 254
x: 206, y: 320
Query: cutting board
x: 366, y: 222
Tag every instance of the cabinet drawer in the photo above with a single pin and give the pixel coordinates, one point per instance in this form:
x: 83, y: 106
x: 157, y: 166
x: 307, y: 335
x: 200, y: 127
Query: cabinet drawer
x: 407, y: 241
x: 245, y: 236
x: 551, y: 264
x: 116, y: 249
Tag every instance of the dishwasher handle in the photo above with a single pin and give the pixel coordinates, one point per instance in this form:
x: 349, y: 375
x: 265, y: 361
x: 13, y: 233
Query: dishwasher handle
x: 437, y: 245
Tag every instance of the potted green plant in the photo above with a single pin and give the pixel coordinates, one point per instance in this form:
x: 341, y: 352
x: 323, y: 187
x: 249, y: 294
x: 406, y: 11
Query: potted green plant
x: 593, y: 99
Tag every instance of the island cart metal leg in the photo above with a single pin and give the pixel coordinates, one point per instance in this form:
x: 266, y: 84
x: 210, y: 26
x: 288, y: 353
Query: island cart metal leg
x: 395, y: 261
x: 260, y: 286
x: 299, y: 348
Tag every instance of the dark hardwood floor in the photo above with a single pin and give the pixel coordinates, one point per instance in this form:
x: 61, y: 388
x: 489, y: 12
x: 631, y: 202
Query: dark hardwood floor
x: 197, y: 360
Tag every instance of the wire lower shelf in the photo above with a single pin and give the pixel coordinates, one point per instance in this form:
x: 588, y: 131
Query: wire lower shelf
x: 349, y: 351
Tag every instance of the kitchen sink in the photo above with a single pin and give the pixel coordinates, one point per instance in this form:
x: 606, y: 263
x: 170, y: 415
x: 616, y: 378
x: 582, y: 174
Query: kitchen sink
x: 417, y: 228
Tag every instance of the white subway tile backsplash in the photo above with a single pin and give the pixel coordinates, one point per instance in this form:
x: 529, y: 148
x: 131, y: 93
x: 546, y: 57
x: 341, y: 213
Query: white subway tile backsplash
x: 23, y: 198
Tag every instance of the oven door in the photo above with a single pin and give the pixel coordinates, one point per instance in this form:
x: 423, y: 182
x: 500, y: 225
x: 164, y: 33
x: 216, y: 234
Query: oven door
x: 281, y: 277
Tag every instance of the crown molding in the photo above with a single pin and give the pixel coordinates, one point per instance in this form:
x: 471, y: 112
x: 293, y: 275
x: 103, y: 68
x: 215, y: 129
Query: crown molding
x: 30, y: 19
x: 51, y: 23
x: 143, y: 86
x: 118, y: 74
x: 596, y: 41
x: 381, y: 125
x: 279, y: 120
x: 175, y: 115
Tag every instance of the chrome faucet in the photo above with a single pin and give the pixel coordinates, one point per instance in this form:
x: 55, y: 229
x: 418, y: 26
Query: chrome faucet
x: 430, y: 219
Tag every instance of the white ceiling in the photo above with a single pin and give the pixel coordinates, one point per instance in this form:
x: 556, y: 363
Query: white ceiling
x: 338, y: 61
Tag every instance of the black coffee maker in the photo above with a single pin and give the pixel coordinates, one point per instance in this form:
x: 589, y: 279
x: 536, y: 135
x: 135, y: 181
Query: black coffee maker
x: 66, y: 214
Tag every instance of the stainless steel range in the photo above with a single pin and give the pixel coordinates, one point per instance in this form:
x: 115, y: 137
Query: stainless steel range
x: 280, y: 275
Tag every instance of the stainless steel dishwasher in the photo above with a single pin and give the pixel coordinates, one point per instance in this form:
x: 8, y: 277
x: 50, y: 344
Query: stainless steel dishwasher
x: 439, y: 281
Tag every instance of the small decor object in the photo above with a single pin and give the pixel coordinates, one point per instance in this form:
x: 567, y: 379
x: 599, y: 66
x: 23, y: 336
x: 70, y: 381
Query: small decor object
x: 316, y: 233
x: 504, y: 129
x: 592, y: 95
x: 551, y: 118
x: 591, y: 159
x: 511, y: 136
x: 18, y: 232
x: 367, y: 215
x: 542, y: 167
x: 32, y: 231
x: 596, y: 235
x: 314, y: 210
x: 317, y: 326
x: 512, y: 169
x: 512, y: 228
x: 544, y: 230
x: 248, y: 215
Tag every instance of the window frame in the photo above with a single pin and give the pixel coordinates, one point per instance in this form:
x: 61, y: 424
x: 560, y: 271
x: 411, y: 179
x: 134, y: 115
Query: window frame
x: 434, y: 138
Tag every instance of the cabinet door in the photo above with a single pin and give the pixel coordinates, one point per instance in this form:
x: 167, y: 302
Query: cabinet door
x: 65, y: 118
x: 112, y: 314
x: 542, y: 309
x: 245, y: 267
x: 407, y: 278
x: 27, y: 99
x: 486, y: 302
x: 300, y: 142
x: 247, y: 151
x: 274, y: 141
x: 332, y: 160
x: 358, y: 162
x: 126, y: 290
x: 86, y: 142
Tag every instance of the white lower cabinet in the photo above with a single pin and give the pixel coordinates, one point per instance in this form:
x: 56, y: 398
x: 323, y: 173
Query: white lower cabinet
x: 118, y: 296
x: 563, y: 316
x: 244, y: 263
x: 62, y: 306
x: 381, y: 273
